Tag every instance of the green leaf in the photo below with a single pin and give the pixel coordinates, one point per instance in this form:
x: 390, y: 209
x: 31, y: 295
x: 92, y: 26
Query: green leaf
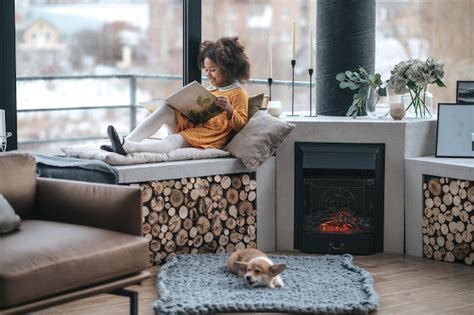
x: 348, y: 74
x: 343, y: 85
x: 363, y: 72
x: 411, y: 85
x: 440, y: 83
x: 378, y: 79
x: 199, y: 99
x: 353, y: 86
x: 352, y: 111
x: 340, y: 76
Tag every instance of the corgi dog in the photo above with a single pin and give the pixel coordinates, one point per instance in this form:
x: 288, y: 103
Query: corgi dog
x: 256, y: 268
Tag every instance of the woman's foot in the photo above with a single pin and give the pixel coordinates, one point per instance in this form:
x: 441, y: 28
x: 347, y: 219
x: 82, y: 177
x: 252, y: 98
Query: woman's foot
x: 116, y: 140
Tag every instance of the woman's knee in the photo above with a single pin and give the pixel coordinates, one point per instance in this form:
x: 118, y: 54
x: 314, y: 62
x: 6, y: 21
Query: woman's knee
x: 176, y: 141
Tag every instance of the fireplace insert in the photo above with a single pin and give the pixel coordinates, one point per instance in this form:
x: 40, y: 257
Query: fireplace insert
x: 339, y: 193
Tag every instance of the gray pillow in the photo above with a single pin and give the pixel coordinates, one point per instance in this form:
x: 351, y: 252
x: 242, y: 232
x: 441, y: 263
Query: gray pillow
x: 259, y: 139
x: 9, y: 220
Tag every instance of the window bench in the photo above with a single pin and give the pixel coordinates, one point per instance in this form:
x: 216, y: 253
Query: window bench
x: 207, y: 205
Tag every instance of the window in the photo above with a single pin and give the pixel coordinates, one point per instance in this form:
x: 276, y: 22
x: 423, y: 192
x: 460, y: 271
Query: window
x: 82, y: 65
x: 112, y: 53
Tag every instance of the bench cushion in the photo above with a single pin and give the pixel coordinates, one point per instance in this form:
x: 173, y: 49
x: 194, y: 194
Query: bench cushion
x: 53, y: 257
x: 92, y: 151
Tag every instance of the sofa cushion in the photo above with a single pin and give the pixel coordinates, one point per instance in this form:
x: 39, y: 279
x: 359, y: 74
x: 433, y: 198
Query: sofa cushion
x: 9, y: 220
x: 46, y: 258
x: 18, y: 181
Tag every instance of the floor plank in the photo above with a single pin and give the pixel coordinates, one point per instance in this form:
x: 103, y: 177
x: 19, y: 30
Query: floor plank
x: 405, y: 284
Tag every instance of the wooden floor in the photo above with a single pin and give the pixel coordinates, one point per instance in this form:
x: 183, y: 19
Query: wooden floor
x: 406, y: 285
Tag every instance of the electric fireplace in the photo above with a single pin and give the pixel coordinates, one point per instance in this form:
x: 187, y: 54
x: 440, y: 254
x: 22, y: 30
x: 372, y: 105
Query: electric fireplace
x: 339, y: 193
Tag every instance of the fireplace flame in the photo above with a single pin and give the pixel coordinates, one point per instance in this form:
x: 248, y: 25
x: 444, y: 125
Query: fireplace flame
x: 342, y: 221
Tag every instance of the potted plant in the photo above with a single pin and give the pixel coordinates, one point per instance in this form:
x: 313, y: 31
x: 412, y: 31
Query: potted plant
x: 361, y: 82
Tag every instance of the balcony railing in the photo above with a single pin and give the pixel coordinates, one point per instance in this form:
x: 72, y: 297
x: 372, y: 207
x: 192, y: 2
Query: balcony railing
x: 132, y: 100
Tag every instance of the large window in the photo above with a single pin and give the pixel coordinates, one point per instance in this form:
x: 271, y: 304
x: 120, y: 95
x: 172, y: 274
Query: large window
x: 82, y: 65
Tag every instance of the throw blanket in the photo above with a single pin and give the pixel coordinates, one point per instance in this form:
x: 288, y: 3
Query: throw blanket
x: 93, y: 152
x: 76, y: 169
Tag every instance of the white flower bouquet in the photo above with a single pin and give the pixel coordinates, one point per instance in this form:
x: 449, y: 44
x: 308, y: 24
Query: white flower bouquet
x: 413, y: 76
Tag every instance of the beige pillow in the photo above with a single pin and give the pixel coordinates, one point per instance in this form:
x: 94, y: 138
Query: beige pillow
x: 9, y: 220
x: 259, y: 139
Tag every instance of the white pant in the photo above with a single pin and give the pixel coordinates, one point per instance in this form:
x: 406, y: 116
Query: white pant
x: 137, y: 140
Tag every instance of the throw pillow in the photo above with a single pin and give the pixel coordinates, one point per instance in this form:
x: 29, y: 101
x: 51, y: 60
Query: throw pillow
x: 255, y: 103
x: 259, y: 139
x: 9, y: 220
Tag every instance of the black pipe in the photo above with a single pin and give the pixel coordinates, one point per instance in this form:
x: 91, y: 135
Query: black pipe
x: 345, y: 40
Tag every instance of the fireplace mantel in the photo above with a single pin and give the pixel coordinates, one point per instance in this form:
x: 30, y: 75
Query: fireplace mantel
x: 402, y: 139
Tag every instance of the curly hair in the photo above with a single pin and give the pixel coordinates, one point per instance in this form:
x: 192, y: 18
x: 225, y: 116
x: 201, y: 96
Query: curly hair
x: 229, y: 55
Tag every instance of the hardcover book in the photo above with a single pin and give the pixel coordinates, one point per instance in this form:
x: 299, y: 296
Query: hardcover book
x: 193, y: 101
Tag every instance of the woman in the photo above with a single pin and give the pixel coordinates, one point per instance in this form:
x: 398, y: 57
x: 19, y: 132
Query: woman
x: 225, y: 64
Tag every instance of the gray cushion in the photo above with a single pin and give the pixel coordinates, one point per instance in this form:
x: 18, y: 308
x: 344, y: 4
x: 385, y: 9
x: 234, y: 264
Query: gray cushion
x: 259, y: 139
x: 9, y: 220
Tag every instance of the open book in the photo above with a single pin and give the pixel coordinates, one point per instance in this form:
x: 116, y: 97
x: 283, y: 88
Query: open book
x: 193, y: 101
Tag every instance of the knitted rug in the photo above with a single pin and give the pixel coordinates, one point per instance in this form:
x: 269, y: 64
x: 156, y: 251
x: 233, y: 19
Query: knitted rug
x: 201, y: 284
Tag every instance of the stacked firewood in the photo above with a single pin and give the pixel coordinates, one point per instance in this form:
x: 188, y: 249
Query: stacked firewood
x: 448, y: 220
x: 199, y: 214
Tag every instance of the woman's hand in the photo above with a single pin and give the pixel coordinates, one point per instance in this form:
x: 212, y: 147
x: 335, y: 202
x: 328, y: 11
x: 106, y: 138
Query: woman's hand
x: 223, y: 102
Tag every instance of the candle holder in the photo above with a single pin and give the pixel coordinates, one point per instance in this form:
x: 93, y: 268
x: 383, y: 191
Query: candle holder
x: 3, y: 141
x: 293, y: 63
x: 270, y: 81
x: 310, y: 72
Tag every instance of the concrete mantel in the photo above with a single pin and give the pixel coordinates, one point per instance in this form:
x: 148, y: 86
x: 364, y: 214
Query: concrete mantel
x: 402, y: 139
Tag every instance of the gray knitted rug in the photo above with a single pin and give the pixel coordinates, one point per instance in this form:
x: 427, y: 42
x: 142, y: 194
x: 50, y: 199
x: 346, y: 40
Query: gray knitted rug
x: 201, y: 284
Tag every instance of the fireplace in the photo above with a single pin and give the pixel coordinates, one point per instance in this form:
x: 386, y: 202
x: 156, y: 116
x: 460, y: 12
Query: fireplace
x: 339, y: 197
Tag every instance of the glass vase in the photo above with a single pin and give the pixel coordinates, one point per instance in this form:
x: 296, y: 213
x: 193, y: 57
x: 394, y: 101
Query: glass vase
x: 418, y: 103
x: 378, y: 103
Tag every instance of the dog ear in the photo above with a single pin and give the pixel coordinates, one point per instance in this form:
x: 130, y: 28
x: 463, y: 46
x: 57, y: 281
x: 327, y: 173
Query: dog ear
x: 240, y: 266
x: 276, y: 269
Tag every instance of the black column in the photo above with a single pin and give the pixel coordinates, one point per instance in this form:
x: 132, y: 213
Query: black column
x: 345, y: 40
x: 7, y: 69
x: 191, y: 40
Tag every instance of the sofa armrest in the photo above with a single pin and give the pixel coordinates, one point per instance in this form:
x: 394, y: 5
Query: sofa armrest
x: 105, y: 206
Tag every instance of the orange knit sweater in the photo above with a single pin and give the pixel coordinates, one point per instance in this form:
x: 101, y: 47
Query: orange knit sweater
x: 215, y: 132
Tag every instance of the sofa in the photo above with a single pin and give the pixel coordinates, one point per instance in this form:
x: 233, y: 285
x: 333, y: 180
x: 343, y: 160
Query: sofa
x: 76, y: 239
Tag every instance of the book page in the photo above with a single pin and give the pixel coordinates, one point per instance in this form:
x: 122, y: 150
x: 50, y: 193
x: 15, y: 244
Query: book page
x: 195, y: 102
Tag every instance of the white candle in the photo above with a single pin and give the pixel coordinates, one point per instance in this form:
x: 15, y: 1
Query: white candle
x: 270, y: 70
x: 293, y: 44
x: 310, y: 50
x: 2, y: 123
